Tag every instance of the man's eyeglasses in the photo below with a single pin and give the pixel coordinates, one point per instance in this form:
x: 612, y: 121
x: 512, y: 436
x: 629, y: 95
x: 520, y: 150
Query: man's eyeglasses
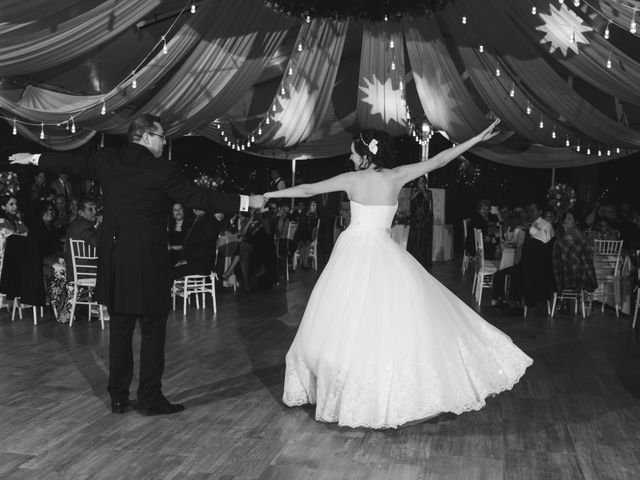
x: 157, y: 135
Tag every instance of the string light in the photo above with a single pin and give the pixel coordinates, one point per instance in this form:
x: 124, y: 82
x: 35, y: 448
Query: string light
x: 533, y: 10
x: 308, y: 19
x: 15, y: 130
x: 464, y: 20
x: 193, y: 8
x: 41, y: 131
x: 386, y: 18
x: 632, y: 27
x: 481, y: 48
x: 553, y: 133
x: 609, y: 61
x: 567, y: 143
x: 392, y: 44
x: 300, y: 47
x: 560, y: 2
x: 103, y: 110
x: 253, y: 139
x: 73, y: 126
x: 218, y: 125
x: 498, y: 69
x: 589, y: 150
x: 512, y: 92
x: 606, y: 31
x: 283, y: 91
x: 274, y: 108
x: 165, y: 50
x: 541, y: 124
x: 608, y: 153
x: 134, y: 83
x: 599, y: 152
x: 576, y: 3
x: 401, y: 84
x: 226, y: 139
x: 393, y: 65
x: 617, y: 149
x: 259, y: 130
x: 528, y: 108
x: 267, y: 120
x: 290, y: 71
x: 578, y: 147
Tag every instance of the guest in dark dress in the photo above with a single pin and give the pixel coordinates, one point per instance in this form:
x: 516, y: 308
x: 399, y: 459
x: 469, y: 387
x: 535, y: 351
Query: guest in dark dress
x: 179, y: 224
x: 481, y: 219
x: 421, y: 226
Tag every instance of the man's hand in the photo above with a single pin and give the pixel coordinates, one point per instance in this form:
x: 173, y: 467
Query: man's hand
x: 21, y: 158
x: 257, y: 201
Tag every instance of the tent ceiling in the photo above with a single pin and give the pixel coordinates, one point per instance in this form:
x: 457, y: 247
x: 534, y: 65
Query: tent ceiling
x: 227, y: 73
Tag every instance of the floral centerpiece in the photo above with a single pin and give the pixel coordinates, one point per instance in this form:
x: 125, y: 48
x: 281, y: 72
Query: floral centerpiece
x: 205, y: 181
x: 561, y: 197
x: 9, y: 184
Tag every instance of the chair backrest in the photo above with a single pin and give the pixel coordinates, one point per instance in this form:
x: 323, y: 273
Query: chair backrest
x: 479, y: 242
x: 465, y: 227
x: 606, y: 255
x: 314, y: 234
x: 291, y: 229
x: 83, y: 260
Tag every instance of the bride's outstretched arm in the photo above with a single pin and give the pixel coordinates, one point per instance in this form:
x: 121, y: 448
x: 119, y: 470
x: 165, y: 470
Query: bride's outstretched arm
x: 338, y: 183
x: 406, y: 173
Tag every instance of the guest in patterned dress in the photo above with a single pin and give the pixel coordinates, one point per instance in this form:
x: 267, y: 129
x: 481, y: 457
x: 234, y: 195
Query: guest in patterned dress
x: 573, y: 265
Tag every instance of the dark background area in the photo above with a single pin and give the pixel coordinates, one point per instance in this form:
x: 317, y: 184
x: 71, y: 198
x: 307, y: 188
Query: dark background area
x: 467, y: 179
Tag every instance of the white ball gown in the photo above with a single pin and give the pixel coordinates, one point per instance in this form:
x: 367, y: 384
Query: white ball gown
x: 383, y: 343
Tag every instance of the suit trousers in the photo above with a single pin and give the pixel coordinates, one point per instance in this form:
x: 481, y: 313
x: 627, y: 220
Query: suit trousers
x: 153, y: 329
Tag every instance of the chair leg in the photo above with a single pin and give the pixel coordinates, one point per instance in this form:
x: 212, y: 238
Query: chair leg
x: 13, y: 309
x: 74, y: 299
x: 616, y: 290
x: 553, y: 308
x: 101, y: 316
x: 582, y: 303
x: 480, y: 287
x: 635, y: 314
x: 548, y: 307
x: 35, y: 315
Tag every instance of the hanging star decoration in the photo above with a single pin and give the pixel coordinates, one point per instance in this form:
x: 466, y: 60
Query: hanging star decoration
x: 563, y: 29
x: 385, y: 101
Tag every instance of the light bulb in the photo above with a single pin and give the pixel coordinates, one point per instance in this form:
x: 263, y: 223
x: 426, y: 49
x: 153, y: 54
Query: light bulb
x: 576, y: 3
x: 134, y: 83
x: 42, y: 131
x: 588, y: 150
x: 283, y: 91
x: 464, y: 20
x: 218, y: 125
x: 401, y: 84
x: 259, y: 130
x: 617, y: 149
x: 553, y: 133
x: 290, y: 71
x: 226, y: 139
x: 300, y: 47
x: 253, y: 138
x: 222, y: 132
x: 599, y: 152
x: 267, y: 121
x: 567, y: 143
x: 632, y: 28
x: 541, y: 124
x: 103, y: 110
x: 15, y: 130
x: 193, y: 8
x: 578, y: 148
x: 165, y: 50
x: 73, y: 126
x: 609, y: 62
x: 498, y: 70
x: 560, y: 2
x: 392, y: 44
x: 242, y: 147
x: 308, y: 19
x: 248, y: 144
x: 273, y: 107
x: 386, y: 18
x: 393, y: 65
x: 606, y: 32
x: 481, y: 48
x: 528, y: 108
x: 512, y: 92
x: 608, y: 153
x: 533, y: 10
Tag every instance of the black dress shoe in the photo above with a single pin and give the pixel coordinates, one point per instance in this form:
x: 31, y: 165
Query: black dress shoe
x: 120, y: 407
x: 161, y: 409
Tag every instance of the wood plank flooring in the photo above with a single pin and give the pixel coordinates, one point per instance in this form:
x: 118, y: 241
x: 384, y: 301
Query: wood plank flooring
x: 575, y: 414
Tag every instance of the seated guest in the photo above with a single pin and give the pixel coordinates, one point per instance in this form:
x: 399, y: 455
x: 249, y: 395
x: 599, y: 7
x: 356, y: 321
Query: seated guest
x: 74, y: 206
x: 62, y: 212
x: 38, y: 190
x: 604, y: 231
x: 573, y: 264
x: 10, y: 221
x: 178, y: 227
x: 480, y: 219
x: 84, y: 227
x: 48, y: 235
x: 199, y: 248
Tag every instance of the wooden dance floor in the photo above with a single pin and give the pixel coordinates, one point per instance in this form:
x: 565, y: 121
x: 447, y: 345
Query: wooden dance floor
x: 575, y: 414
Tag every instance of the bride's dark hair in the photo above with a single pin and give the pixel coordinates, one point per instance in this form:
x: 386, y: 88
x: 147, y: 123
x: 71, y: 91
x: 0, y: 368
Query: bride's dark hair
x: 376, y: 147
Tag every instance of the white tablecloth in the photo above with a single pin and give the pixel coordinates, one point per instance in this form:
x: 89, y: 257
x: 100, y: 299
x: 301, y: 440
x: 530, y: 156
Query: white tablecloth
x: 400, y: 233
x: 442, y: 246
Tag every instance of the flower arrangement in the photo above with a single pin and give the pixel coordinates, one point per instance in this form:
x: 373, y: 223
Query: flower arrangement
x: 371, y: 10
x: 561, y: 197
x: 9, y: 184
x: 205, y: 181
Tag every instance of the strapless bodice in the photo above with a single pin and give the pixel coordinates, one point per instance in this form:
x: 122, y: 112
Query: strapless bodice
x: 372, y: 217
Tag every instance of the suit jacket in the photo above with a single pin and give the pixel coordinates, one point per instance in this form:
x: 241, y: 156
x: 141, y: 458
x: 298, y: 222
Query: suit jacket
x: 62, y: 188
x: 134, y: 275
x: 199, y: 246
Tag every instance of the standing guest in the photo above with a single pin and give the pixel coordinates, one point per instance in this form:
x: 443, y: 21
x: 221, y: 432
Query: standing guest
x: 277, y: 183
x: 134, y: 276
x: 62, y: 186
x: 421, y: 226
x: 179, y: 225
x: 39, y: 188
x: 9, y: 216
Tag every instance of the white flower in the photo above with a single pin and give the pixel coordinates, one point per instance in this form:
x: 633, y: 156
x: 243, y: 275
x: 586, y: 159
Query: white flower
x: 373, y: 146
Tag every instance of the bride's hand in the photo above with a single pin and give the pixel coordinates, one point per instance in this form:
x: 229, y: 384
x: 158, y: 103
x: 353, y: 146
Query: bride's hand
x: 488, y: 132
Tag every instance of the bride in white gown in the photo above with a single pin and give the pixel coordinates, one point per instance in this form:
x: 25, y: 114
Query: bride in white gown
x: 382, y: 342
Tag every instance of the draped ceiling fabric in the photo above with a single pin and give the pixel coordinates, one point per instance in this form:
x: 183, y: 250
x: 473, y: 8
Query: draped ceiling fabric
x: 243, y: 75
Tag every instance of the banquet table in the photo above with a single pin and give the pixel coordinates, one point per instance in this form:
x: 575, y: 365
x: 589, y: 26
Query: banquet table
x: 442, y: 243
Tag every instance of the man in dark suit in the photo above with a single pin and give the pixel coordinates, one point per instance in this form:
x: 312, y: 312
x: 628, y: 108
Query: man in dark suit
x: 134, y: 275
x: 198, y: 251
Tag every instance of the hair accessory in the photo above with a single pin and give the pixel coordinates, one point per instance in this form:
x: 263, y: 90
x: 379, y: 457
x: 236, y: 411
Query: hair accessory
x: 373, y: 146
